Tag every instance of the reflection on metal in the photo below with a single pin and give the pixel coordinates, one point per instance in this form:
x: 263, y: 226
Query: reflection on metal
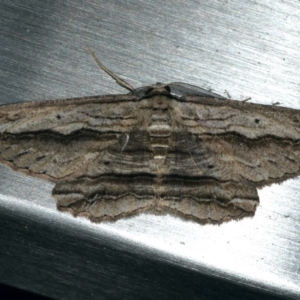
x: 245, y: 47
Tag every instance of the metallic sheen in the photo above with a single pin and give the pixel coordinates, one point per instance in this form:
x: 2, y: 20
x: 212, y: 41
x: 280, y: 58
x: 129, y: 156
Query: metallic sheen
x: 235, y: 48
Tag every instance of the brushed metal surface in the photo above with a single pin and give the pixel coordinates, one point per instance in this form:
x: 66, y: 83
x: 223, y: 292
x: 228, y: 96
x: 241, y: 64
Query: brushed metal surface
x: 237, y: 48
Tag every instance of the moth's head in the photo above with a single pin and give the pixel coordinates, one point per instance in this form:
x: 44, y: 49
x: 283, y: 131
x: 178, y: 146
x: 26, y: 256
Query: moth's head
x: 175, y: 90
x: 153, y: 90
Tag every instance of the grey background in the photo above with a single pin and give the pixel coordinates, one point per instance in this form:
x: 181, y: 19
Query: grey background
x: 235, y: 48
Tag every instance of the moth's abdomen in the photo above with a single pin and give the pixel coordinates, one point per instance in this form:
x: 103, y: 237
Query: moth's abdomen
x: 160, y: 131
x: 160, y: 127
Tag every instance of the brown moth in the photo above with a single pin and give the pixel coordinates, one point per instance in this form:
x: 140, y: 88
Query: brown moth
x: 166, y: 148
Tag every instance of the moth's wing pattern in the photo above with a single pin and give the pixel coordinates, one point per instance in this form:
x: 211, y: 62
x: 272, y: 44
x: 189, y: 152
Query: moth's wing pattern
x: 193, y: 189
x: 252, y: 143
x: 236, y: 147
x: 117, y: 183
x: 57, y: 139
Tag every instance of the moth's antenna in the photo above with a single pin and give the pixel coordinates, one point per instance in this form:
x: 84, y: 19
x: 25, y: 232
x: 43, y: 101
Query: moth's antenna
x: 119, y: 81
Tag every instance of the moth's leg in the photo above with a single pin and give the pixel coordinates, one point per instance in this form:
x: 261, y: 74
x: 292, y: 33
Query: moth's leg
x: 247, y: 99
x: 119, y: 81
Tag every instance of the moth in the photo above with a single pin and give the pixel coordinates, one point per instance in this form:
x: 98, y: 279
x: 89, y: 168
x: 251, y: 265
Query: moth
x: 165, y: 148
